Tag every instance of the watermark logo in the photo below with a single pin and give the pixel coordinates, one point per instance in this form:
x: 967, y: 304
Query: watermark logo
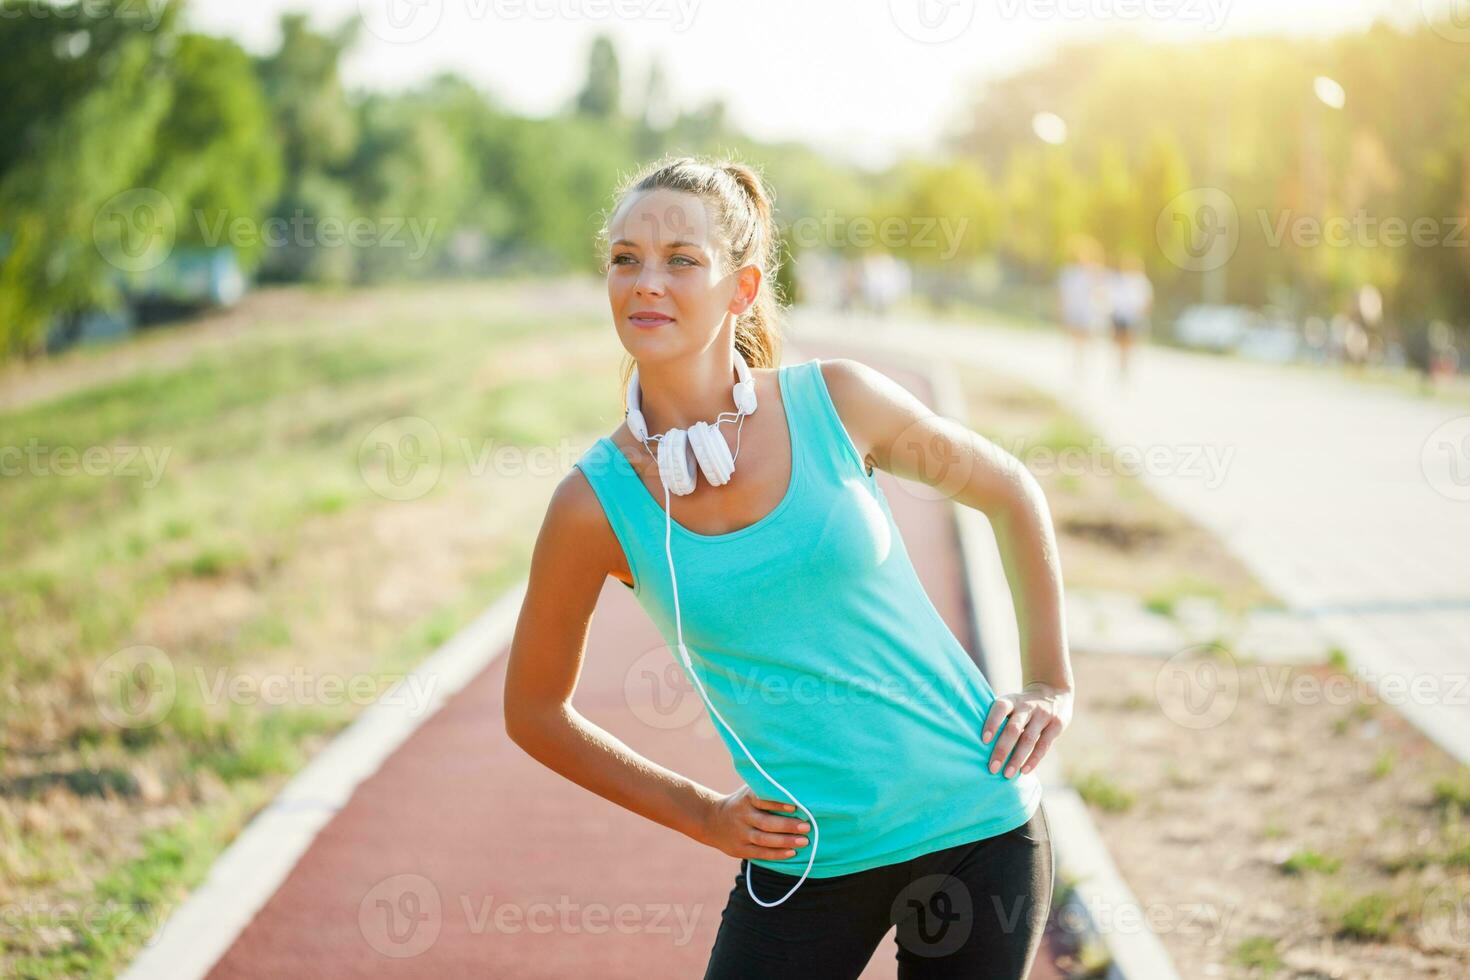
x: 941, y: 233
x: 1445, y: 459
x: 1444, y: 919
x: 1362, y: 230
x: 93, y: 919
x: 135, y: 231
x: 932, y: 21
x: 138, y: 229
x: 410, y: 21
x: 1450, y: 19
x: 135, y: 687
x: 117, y: 461
x: 1210, y: 13
x: 402, y: 458
x: 934, y: 914
x: 1206, y: 923
x: 401, y: 21
x: 1199, y: 230
x: 1199, y: 686
x: 144, y: 14
x: 401, y: 916
x: 930, y: 448
x: 658, y: 692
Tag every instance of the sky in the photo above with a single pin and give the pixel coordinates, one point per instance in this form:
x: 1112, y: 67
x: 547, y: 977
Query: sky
x: 864, y: 80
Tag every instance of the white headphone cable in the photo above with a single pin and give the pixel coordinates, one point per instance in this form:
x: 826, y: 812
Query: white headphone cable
x: 684, y: 652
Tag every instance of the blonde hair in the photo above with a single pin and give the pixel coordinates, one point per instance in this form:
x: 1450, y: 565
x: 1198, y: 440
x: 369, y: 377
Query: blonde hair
x: 739, y: 206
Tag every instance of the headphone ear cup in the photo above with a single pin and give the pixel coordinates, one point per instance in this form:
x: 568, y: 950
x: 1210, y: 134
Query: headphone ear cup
x: 712, y: 452
x: 676, y: 462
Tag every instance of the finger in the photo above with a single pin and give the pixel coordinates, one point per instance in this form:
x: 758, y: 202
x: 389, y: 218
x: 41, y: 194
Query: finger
x: 780, y: 841
x: 790, y: 825
x: 1042, y: 745
x: 764, y: 853
x: 773, y: 805
x: 1024, y: 747
x: 1015, y: 728
x: 1000, y: 709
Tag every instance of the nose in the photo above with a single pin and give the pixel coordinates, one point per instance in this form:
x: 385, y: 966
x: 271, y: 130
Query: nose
x: 650, y: 282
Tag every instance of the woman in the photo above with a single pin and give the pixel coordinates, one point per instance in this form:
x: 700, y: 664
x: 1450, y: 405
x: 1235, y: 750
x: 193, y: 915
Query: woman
x: 860, y: 725
x: 1082, y: 300
x: 1132, y: 301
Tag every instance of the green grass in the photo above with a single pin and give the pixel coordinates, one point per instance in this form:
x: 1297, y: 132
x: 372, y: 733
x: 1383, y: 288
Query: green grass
x: 129, y: 904
x: 1452, y: 794
x: 1301, y: 862
x: 1372, y: 916
x: 1163, y: 600
x: 1258, y: 953
x: 257, y: 439
x: 1100, y: 791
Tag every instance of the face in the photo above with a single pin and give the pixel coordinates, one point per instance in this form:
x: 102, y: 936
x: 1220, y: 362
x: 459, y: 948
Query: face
x: 665, y: 261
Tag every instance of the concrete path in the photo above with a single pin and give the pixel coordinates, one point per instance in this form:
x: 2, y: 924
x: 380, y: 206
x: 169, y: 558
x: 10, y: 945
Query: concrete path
x: 463, y: 857
x: 1352, y: 503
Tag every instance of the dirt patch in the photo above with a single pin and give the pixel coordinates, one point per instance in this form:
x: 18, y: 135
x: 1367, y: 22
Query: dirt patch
x: 1272, y: 821
x: 1113, y: 534
x: 1294, y: 822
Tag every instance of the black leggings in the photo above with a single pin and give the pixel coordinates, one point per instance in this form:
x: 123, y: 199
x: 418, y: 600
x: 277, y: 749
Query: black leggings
x: 973, y: 910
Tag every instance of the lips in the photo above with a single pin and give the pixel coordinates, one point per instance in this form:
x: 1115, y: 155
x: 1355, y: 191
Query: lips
x: 648, y: 319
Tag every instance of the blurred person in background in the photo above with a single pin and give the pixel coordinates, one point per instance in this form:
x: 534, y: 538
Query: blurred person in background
x: 885, y: 282
x: 1132, y: 297
x: 1082, y: 299
x: 1444, y: 356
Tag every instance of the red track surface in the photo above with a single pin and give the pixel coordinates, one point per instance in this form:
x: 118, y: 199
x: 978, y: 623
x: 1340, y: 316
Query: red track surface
x: 464, y: 857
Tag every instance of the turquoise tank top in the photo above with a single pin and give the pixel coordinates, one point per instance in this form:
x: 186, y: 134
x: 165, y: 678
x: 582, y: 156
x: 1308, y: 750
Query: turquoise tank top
x: 816, y: 641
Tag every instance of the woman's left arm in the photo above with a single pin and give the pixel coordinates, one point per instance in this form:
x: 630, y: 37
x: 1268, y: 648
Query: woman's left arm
x: 902, y: 436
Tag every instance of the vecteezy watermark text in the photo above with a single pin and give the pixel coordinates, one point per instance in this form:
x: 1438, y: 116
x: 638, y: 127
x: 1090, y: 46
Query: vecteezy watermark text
x: 36, y: 459
x: 136, y: 231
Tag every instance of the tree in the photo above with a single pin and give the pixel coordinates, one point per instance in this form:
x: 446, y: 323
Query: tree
x: 216, y: 156
x: 319, y: 133
x: 79, y: 142
x: 601, y: 93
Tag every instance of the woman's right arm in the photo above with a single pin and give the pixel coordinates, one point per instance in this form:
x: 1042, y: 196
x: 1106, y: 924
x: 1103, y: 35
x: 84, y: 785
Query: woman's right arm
x: 574, y: 553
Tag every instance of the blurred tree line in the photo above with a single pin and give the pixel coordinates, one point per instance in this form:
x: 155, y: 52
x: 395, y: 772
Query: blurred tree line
x: 104, y: 106
x: 104, y: 103
x: 1325, y: 193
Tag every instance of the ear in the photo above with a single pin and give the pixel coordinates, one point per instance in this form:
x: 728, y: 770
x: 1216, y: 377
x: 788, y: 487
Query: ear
x: 747, y: 287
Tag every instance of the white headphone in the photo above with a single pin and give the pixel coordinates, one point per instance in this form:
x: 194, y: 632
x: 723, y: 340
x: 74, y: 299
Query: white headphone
x: 678, y: 451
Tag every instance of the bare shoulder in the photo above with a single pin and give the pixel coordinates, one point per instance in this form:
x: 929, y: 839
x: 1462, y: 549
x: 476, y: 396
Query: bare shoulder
x: 574, y: 507
x: 576, y: 526
x: 874, y: 408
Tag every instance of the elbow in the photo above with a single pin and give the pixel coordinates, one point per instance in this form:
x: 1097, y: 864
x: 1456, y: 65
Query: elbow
x: 527, y: 726
x: 517, y: 726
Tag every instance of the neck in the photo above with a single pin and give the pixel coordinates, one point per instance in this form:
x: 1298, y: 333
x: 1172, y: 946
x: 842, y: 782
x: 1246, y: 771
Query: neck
x: 676, y: 394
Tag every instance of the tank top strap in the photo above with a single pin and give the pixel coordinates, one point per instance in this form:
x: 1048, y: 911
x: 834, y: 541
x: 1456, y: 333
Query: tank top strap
x: 827, y: 441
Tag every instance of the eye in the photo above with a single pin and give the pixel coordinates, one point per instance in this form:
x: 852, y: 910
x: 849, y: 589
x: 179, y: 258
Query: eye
x: 617, y: 259
x: 685, y: 258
